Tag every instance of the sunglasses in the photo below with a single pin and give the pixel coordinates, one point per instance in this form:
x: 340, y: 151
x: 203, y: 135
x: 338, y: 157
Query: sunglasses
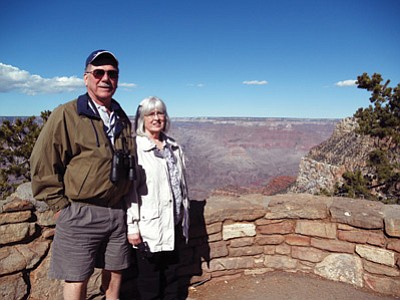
x: 99, y: 73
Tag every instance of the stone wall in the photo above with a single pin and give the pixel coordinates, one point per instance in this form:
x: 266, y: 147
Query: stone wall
x: 347, y: 240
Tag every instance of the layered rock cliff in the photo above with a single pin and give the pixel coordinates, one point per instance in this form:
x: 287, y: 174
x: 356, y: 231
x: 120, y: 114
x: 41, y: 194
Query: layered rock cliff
x: 322, y: 168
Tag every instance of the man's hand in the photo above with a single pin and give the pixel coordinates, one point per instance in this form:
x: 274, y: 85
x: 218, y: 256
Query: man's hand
x: 56, y: 215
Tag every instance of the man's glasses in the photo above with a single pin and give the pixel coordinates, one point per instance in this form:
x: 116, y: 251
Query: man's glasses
x: 155, y: 114
x: 99, y: 73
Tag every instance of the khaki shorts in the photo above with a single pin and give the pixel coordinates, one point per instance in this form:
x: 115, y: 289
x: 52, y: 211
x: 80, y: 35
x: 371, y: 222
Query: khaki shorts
x: 88, y: 237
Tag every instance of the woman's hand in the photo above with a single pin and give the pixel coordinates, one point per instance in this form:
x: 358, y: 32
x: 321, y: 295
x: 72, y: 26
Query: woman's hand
x: 134, y: 239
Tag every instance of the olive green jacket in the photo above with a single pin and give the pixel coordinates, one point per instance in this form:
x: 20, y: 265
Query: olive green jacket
x: 71, y: 159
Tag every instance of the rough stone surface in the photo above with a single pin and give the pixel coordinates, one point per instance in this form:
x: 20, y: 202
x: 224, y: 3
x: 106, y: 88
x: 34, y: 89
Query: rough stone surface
x: 15, y: 217
x: 341, y: 267
x: 218, y: 249
x: 380, y: 269
x: 258, y: 271
x: 316, y: 228
x: 341, y: 226
x: 214, y: 228
x: 283, y: 249
x: 270, y: 240
x: 215, y: 237
x: 308, y: 254
x: 42, y: 286
x: 11, y: 233
x: 357, y: 236
x: 358, y: 213
x: 377, y: 255
x: 236, y: 230
x: 46, y: 218
x: 246, y: 251
x: 305, y: 207
x: 240, y: 209
x: 24, y: 191
x: 315, y: 176
x: 270, y: 249
x: 385, y: 285
x: 20, y: 257
x: 17, y: 205
x: 231, y: 263
x: 281, y: 227
x: 280, y: 262
x: 394, y: 245
x: 298, y: 240
x: 332, y: 245
x: 242, y: 242
x: 13, y: 287
x: 392, y: 220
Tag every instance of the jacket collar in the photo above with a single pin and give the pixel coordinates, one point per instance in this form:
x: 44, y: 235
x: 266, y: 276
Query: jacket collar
x: 148, y: 145
x: 84, y: 109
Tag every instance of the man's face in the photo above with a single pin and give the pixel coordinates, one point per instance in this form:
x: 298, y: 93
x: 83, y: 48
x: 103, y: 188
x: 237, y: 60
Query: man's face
x: 101, y: 82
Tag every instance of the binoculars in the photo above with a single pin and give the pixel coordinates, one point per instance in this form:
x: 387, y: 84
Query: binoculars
x: 123, y: 166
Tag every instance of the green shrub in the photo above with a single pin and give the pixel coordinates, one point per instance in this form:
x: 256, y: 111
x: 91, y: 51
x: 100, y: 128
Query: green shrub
x: 16, y: 143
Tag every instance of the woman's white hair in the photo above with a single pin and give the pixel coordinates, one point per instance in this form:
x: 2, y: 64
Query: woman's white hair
x: 146, y: 106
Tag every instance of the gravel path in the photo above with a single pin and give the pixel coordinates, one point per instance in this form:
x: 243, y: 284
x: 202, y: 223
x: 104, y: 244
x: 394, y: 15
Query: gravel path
x: 282, y: 286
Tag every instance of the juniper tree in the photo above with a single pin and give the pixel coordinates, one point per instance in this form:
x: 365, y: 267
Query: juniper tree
x: 17, y: 139
x: 381, y: 119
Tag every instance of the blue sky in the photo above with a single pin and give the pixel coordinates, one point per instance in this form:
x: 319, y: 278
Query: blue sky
x: 253, y: 58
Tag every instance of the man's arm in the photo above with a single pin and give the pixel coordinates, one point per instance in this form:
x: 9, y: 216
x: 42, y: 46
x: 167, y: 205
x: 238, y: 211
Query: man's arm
x: 47, y: 166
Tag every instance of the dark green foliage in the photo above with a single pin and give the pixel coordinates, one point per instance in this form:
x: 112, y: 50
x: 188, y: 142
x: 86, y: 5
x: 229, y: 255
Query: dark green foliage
x: 16, y: 143
x: 379, y: 161
x: 380, y: 120
x: 355, y: 186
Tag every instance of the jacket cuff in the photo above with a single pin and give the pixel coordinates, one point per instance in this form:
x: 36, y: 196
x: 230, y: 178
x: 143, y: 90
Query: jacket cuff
x: 58, y: 204
x: 133, y: 228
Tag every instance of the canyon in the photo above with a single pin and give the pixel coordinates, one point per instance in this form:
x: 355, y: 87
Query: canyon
x: 245, y: 155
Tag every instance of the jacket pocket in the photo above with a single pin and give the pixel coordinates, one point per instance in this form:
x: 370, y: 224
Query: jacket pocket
x: 148, y: 214
x: 75, y: 181
x: 149, y: 225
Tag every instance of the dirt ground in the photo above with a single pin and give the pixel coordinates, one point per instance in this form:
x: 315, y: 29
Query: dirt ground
x: 282, y: 286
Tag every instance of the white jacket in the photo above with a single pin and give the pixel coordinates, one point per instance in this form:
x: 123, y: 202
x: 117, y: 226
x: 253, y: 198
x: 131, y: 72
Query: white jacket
x: 150, y: 207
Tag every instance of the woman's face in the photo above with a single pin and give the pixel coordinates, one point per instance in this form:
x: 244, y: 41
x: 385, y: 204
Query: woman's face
x: 154, y: 122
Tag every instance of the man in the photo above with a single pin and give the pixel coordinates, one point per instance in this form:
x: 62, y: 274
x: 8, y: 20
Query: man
x: 82, y: 167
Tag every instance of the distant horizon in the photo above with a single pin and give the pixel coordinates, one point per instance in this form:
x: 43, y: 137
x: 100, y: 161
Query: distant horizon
x: 205, y: 117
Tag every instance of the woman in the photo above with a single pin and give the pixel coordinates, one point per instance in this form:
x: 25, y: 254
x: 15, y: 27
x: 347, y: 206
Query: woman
x: 158, y: 212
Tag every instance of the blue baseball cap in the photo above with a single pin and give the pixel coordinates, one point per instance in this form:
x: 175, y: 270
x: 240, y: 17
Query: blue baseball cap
x: 108, y: 57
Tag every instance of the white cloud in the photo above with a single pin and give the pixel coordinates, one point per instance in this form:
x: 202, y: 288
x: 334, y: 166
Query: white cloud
x: 200, y: 85
x: 350, y: 82
x: 255, y: 82
x: 14, y: 79
x: 127, y: 85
